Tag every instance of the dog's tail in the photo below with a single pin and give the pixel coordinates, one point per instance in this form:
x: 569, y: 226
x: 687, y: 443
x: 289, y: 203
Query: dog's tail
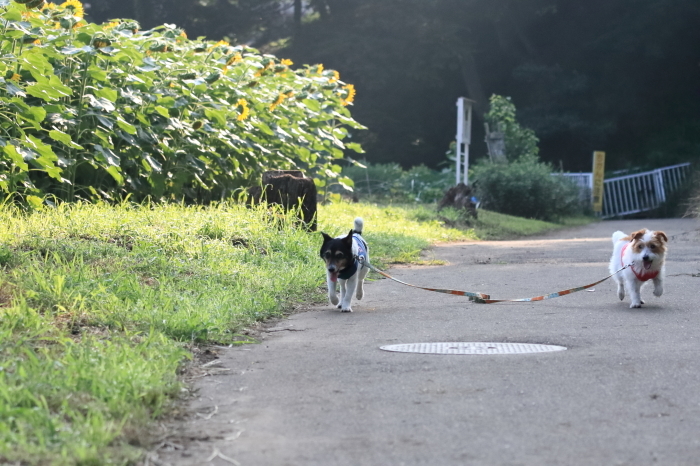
x: 359, y: 224
x: 617, y: 236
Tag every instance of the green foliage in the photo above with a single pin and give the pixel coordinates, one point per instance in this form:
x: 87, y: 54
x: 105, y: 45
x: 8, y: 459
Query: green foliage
x: 391, y: 182
x: 98, y: 303
x: 520, y: 142
x: 102, y: 111
x: 525, y: 188
x: 67, y: 402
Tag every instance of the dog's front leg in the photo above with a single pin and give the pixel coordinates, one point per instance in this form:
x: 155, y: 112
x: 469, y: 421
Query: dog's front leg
x: 634, y: 287
x: 620, y: 288
x: 343, y: 292
x: 332, y: 296
x: 347, y: 291
x: 658, y: 286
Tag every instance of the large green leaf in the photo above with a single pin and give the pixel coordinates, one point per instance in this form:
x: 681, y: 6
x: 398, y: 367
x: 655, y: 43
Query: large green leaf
x: 37, y: 64
x: 128, y: 127
x: 14, y: 90
x: 60, y: 136
x: 49, y: 91
x: 15, y: 157
x: 106, y: 155
x: 107, y: 93
x: 99, y: 103
x: 34, y: 115
x: 216, y: 115
x: 116, y: 174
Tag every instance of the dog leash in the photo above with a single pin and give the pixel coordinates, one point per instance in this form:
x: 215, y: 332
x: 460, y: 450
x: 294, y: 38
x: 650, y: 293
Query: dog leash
x: 473, y: 296
x: 558, y: 294
x: 482, y: 298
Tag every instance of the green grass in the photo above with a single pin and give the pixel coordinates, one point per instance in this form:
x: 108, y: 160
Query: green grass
x: 495, y: 226
x: 489, y: 225
x: 98, y: 305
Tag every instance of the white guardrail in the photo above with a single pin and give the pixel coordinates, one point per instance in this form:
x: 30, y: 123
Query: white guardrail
x: 630, y: 194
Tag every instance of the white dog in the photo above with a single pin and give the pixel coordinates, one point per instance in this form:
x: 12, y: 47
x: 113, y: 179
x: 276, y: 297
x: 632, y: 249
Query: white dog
x: 646, y: 251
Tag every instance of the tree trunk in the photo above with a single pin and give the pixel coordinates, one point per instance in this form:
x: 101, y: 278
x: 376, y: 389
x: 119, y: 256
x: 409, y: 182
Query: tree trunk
x: 472, y: 81
x: 297, y: 15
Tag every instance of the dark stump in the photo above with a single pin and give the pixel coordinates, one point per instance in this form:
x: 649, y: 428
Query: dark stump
x: 459, y: 197
x: 290, y: 190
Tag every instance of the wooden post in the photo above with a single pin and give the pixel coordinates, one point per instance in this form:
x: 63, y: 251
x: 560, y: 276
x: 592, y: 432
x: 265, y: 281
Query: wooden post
x: 496, y: 143
x: 598, y: 179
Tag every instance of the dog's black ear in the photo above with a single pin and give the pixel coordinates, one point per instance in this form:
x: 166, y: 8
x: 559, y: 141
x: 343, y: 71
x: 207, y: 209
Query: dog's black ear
x: 348, y: 239
x: 326, y: 237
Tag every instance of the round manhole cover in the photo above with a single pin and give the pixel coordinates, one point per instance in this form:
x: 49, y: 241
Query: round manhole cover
x: 472, y: 348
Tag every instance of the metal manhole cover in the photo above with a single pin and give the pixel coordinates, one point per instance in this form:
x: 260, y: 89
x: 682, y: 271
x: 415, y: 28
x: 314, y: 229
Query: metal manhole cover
x: 472, y: 348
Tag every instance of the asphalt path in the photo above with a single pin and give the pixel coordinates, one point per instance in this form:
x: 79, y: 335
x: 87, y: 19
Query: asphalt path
x: 318, y: 390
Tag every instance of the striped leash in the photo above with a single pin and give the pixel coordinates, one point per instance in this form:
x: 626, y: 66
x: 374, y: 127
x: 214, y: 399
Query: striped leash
x: 473, y: 296
x: 558, y: 294
x: 483, y: 298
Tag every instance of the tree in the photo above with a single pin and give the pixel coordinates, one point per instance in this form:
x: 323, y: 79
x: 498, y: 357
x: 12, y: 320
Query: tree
x: 619, y: 75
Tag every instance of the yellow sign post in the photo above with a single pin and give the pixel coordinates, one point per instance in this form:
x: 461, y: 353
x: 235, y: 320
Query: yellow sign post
x: 598, y: 177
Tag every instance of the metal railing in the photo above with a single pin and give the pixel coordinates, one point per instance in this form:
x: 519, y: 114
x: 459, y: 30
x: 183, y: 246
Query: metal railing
x: 584, y: 181
x: 631, y: 194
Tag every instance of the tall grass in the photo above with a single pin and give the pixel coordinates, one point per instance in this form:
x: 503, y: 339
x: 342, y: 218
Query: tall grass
x: 98, y: 304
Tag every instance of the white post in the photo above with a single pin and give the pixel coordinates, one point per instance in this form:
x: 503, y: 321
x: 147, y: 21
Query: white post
x: 464, y: 135
x: 467, y: 141
x: 460, y: 132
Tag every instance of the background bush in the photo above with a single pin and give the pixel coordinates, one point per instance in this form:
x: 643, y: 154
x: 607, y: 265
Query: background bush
x: 391, y: 182
x: 526, y: 188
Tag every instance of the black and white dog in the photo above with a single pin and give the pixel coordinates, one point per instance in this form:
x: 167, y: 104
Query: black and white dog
x: 345, y: 257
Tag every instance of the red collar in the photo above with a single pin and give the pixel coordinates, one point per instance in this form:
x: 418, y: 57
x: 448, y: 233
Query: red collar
x: 641, y: 277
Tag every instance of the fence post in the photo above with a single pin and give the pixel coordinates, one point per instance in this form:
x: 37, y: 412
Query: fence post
x: 659, y: 181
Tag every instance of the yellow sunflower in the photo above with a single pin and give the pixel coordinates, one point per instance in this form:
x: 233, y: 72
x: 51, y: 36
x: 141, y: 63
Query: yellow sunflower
x: 236, y: 58
x: 221, y: 43
x: 350, y: 97
x: 245, y: 111
x: 76, y: 6
x: 280, y: 99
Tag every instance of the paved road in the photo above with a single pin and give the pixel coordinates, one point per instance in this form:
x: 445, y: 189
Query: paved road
x: 318, y: 391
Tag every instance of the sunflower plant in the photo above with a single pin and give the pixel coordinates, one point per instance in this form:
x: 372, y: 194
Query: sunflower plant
x: 107, y: 110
